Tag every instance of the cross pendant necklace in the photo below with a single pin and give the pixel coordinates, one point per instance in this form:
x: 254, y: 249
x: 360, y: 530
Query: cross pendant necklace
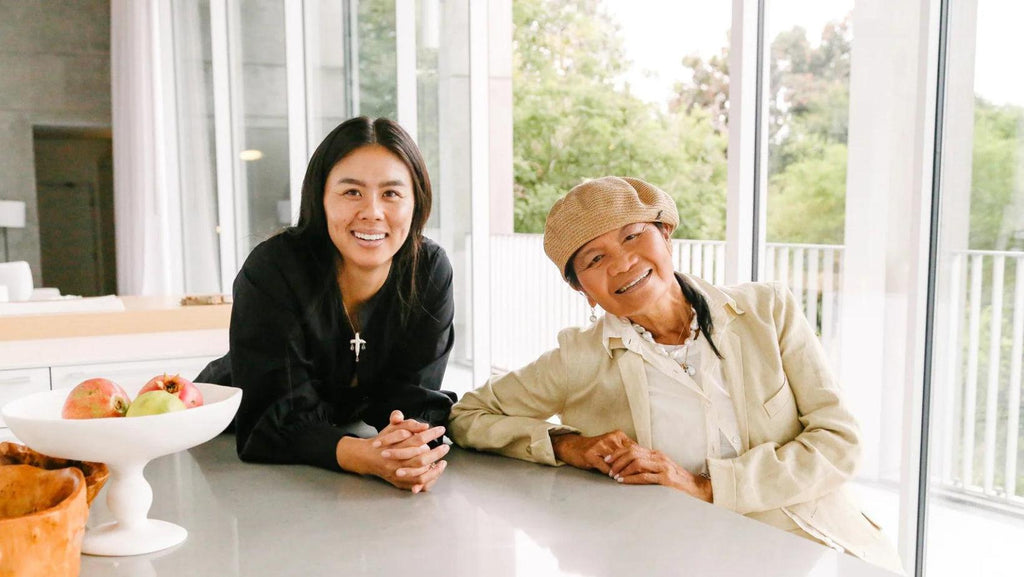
x: 357, y: 343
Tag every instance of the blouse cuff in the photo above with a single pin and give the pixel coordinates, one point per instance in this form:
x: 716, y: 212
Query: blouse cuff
x: 723, y: 483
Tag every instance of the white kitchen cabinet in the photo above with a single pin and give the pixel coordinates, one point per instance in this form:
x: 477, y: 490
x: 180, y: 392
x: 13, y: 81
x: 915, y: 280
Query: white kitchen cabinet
x: 16, y: 383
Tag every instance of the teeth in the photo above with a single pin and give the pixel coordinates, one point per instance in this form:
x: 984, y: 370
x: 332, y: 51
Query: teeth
x: 633, y: 284
x: 363, y: 236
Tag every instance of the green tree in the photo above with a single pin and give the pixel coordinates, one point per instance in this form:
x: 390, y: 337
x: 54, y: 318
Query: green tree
x: 378, y: 61
x: 575, y: 119
x: 997, y: 177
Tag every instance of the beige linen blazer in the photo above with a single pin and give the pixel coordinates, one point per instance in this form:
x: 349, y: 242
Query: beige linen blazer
x: 799, y: 440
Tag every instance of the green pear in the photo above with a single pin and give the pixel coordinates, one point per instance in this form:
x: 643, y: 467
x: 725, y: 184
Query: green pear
x: 154, y: 403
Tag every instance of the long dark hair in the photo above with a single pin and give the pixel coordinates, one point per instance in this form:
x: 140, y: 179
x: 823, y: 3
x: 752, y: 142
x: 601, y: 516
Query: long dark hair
x: 349, y: 136
x: 692, y: 294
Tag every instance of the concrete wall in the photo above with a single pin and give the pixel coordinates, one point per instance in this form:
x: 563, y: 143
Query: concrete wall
x: 55, y: 58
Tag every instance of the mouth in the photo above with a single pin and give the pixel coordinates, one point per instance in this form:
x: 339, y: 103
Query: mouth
x: 369, y: 237
x: 635, y: 282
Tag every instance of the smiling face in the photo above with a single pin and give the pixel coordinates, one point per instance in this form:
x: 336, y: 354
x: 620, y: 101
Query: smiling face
x: 627, y: 271
x: 369, y: 202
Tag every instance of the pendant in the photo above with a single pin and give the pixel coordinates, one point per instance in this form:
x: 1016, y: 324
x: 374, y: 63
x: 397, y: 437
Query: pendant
x: 357, y: 344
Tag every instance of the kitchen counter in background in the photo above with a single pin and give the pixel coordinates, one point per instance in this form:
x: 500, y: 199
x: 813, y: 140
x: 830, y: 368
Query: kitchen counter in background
x: 152, y: 335
x: 140, y: 315
x: 488, y: 515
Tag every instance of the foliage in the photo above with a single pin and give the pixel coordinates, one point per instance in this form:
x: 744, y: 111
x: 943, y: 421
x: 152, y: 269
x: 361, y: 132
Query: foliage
x: 573, y: 120
x: 378, y: 64
x: 997, y: 178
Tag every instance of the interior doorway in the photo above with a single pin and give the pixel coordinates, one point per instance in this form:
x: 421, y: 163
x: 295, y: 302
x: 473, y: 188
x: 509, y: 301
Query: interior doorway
x: 75, y: 197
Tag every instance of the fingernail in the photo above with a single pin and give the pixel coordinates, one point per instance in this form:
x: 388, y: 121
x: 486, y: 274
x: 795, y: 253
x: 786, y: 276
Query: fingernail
x: 443, y: 464
x: 619, y: 479
x: 400, y: 473
x: 608, y: 459
x: 385, y: 454
x: 376, y: 444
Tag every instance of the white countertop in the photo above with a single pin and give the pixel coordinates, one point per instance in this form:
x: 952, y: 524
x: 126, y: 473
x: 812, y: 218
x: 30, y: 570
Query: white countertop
x: 488, y: 516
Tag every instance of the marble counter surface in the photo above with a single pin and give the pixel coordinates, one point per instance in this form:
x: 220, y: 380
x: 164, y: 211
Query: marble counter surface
x: 488, y: 515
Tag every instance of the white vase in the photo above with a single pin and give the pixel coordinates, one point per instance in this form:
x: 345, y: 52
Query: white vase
x: 17, y: 277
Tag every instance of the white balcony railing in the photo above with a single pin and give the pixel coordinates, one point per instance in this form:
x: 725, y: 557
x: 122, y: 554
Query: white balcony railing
x: 521, y: 272
x: 978, y: 374
x: 978, y: 380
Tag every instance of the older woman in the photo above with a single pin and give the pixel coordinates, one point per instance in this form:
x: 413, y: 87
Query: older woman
x: 722, y: 393
x: 342, y: 325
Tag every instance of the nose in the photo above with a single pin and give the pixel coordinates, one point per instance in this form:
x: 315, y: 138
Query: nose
x: 371, y: 209
x: 620, y: 261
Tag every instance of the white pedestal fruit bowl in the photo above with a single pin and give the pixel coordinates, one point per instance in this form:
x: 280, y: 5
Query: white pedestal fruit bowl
x: 126, y: 445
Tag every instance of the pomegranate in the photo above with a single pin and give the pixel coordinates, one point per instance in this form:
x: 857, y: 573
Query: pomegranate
x: 177, y: 385
x: 95, y: 398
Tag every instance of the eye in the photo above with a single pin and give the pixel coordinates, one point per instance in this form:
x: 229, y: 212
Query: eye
x: 392, y: 194
x: 636, y: 234
x: 597, y: 258
x: 351, y: 192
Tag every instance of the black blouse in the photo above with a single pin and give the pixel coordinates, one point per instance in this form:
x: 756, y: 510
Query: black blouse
x: 290, y: 352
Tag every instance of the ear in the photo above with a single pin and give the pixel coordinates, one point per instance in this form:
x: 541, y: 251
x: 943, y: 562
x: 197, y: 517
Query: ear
x: 590, y: 300
x: 665, y: 234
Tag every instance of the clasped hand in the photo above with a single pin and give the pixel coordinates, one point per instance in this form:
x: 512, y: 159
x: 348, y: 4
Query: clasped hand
x: 624, y: 460
x: 399, y: 454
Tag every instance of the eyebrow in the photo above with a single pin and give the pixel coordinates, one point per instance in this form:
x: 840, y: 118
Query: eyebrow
x: 358, y: 182
x: 581, y: 256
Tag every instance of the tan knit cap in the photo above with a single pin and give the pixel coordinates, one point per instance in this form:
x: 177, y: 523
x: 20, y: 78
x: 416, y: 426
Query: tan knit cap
x: 598, y: 206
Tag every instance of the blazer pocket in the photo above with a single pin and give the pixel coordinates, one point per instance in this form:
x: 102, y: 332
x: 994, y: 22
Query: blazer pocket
x: 778, y: 400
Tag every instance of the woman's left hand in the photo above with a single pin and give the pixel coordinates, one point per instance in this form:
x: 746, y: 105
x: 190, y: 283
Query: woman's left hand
x: 636, y: 465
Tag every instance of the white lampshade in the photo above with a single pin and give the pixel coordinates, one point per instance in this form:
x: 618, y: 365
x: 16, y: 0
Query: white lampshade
x: 12, y: 214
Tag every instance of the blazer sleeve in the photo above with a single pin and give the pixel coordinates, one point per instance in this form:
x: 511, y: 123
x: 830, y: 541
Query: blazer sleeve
x: 411, y: 381
x: 508, y: 415
x: 821, y: 457
x: 282, y: 418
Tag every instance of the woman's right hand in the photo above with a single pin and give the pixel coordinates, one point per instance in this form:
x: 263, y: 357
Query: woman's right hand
x: 589, y: 452
x: 399, y: 454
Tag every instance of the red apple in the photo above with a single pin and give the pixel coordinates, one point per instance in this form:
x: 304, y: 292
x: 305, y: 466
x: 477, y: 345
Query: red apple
x: 176, y: 385
x: 94, y: 399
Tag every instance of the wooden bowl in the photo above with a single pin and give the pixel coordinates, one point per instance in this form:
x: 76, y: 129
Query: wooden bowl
x: 95, y: 473
x: 42, y: 521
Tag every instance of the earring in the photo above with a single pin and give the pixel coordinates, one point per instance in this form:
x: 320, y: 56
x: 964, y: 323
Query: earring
x: 593, y: 314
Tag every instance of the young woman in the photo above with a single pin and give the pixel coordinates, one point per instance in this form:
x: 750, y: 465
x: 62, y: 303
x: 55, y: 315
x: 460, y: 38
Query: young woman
x: 722, y: 393
x: 342, y: 325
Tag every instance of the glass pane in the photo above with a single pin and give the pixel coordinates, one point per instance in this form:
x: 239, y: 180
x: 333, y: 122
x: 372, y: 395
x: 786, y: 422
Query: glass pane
x: 260, y: 91
x: 197, y: 149
x: 378, y: 74
x: 840, y: 239
x: 615, y: 87
x: 976, y: 477
x: 443, y: 134
x: 338, y: 88
x: 428, y: 101
x: 326, y: 84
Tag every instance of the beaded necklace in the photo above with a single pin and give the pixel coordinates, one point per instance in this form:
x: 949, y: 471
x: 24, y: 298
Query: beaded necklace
x: 680, y: 353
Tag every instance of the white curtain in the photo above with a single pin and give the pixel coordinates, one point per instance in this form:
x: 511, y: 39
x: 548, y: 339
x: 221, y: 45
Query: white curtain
x: 142, y: 209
